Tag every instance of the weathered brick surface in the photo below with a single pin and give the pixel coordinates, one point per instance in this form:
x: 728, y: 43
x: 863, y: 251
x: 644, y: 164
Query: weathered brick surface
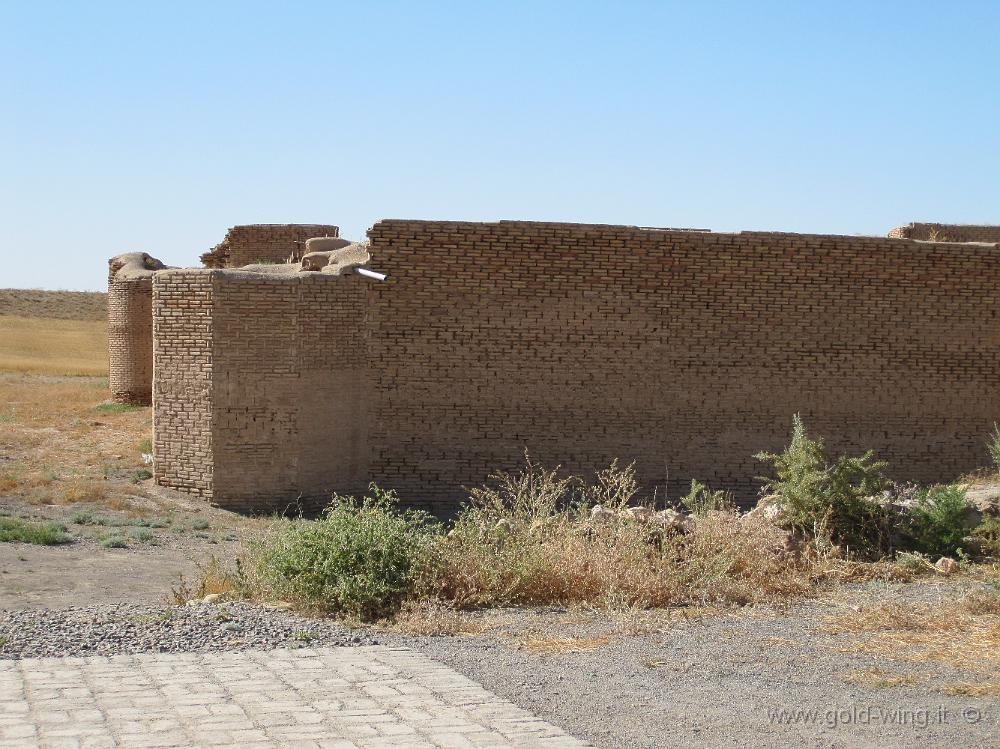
x: 182, y: 394
x: 264, y: 243
x: 130, y: 340
x: 947, y: 232
x: 275, y: 407
x: 685, y: 351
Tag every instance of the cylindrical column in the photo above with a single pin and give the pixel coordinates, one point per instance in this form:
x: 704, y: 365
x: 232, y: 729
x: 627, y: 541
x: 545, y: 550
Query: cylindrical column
x: 130, y: 327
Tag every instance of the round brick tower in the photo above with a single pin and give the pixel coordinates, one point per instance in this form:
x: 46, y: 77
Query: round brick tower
x: 130, y: 327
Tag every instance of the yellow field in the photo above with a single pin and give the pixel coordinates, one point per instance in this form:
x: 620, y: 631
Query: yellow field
x: 52, y: 346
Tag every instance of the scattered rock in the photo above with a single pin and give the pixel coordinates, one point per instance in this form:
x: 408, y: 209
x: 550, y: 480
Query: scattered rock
x: 673, y: 521
x: 986, y: 499
x: 769, y: 509
x: 641, y: 514
x: 125, y: 628
x: 601, y: 514
x: 946, y: 566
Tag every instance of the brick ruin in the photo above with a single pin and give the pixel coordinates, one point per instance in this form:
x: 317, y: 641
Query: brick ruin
x: 264, y: 243
x: 686, y: 351
x: 948, y: 232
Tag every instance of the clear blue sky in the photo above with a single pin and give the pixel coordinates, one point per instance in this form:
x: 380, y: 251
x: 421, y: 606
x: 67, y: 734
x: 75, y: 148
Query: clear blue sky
x: 155, y: 126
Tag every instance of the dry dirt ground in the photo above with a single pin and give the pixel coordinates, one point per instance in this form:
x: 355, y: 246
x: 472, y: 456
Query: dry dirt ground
x: 896, y: 665
x: 65, y: 456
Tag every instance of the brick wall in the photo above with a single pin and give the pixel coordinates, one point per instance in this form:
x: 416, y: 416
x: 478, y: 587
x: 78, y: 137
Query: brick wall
x: 182, y: 393
x: 263, y: 243
x: 686, y: 352
x: 947, y: 232
x: 276, y: 407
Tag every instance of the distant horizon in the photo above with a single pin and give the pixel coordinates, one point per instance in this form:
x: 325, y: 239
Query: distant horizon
x: 156, y: 127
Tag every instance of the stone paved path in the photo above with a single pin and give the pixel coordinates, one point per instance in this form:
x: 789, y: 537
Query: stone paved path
x: 343, y: 698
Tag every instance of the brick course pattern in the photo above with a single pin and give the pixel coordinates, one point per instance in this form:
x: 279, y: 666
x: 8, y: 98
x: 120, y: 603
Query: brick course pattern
x: 947, y: 232
x: 687, y: 352
x: 261, y: 386
x: 264, y: 243
x: 182, y: 355
x: 130, y: 340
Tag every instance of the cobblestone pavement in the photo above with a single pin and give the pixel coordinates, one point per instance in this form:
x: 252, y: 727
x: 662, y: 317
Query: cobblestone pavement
x: 343, y: 698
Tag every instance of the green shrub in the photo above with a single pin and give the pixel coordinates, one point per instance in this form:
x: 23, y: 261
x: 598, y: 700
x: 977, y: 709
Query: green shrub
x: 993, y: 445
x: 701, y: 500
x: 116, y: 408
x: 829, y: 497
x: 25, y: 531
x: 986, y: 537
x: 141, y: 474
x: 937, y: 523
x: 361, y: 558
x: 199, y: 524
x: 114, y: 541
x: 143, y: 535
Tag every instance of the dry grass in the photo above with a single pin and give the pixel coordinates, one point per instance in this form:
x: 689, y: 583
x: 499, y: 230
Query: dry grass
x: 963, y: 632
x: 551, y: 645
x: 434, y: 619
x: 880, y: 679
x: 53, y: 346
x: 55, y: 448
x: 970, y: 689
x: 530, y: 540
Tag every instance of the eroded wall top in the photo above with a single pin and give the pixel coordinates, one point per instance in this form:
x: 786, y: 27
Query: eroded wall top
x: 264, y: 243
x: 934, y: 232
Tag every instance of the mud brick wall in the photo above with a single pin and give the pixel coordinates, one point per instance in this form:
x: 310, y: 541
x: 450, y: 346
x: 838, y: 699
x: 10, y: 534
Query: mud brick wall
x: 274, y: 411
x: 130, y: 340
x: 263, y: 243
x: 182, y: 393
x: 947, y: 232
x: 687, y: 352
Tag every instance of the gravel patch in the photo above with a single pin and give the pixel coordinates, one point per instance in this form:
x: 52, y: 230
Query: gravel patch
x: 719, y: 681
x: 126, y: 628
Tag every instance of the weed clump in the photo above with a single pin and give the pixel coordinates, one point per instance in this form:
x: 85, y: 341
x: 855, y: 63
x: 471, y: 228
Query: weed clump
x: 534, y: 538
x: 993, y: 445
x: 25, y: 531
x: 820, y: 495
x: 701, y: 500
x: 939, y: 521
x: 360, y: 559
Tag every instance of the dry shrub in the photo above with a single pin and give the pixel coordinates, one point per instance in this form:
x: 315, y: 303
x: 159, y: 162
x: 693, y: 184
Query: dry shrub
x: 529, y: 539
x: 84, y: 490
x: 430, y: 618
x: 214, y: 576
